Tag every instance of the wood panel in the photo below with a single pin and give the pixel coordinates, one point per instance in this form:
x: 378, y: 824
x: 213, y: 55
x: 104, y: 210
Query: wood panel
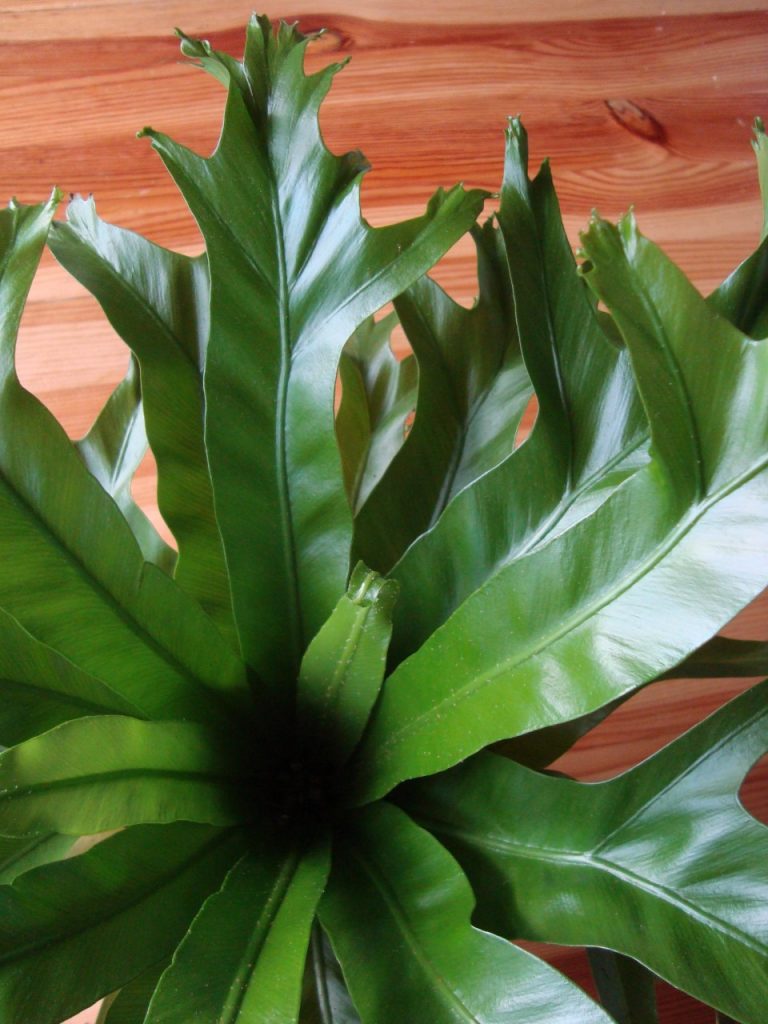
x: 635, y: 102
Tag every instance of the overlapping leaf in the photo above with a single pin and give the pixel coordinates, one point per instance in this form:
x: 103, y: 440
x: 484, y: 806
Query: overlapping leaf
x: 603, y: 607
x: 261, y: 919
x: 294, y: 270
x: 473, y: 390
x: 326, y: 999
x: 378, y: 395
x: 541, y: 587
x: 96, y: 774
x: 589, y: 434
x: 667, y: 842
x: 42, y: 689
x: 394, y: 888
x: 343, y: 669
x: 113, y: 911
x: 157, y: 301
x: 79, y: 582
x: 21, y: 854
x: 113, y: 449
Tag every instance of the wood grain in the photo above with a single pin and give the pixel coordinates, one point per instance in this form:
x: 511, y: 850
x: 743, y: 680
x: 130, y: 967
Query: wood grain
x: 634, y: 102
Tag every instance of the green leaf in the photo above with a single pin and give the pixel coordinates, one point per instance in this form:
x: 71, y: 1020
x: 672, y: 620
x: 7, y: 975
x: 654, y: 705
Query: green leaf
x: 718, y: 658
x: 113, y: 449
x: 378, y: 394
x: 605, y: 607
x: 157, y: 301
x: 430, y: 964
x: 96, y: 774
x: 76, y: 577
x: 113, y: 911
x: 589, y: 436
x: 22, y: 854
x: 722, y: 657
x: 40, y: 689
x: 261, y: 919
x: 627, y: 990
x: 130, y: 1004
x: 343, y: 669
x: 294, y: 270
x: 326, y: 999
x: 473, y: 390
x: 668, y: 842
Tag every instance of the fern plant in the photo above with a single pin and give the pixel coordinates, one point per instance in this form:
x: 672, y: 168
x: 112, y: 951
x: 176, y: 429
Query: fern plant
x: 318, y: 733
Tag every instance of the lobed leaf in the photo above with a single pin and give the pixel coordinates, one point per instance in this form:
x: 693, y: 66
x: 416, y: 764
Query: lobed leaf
x: 294, y: 271
x: 157, y: 301
x: 603, y: 608
x: 667, y: 841
x: 378, y: 394
x: 589, y: 434
x: 113, y: 449
x: 473, y: 389
x: 79, y: 582
x: 430, y: 963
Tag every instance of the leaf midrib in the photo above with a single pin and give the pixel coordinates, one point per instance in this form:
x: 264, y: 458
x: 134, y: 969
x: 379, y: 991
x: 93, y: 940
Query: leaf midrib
x: 121, y: 611
x: 442, y: 988
x: 19, y: 952
x: 724, y: 740
x: 111, y: 777
x: 61, y: 697
x: 683, y: 526
x: 507, y: 847
x: 248, y: 962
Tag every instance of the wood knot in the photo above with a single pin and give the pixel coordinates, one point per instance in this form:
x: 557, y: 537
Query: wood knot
x: 637, y: 120
x: 332, y: 40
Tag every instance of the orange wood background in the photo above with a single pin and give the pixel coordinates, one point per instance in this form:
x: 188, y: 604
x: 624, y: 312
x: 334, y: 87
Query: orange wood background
x: 636, y: 102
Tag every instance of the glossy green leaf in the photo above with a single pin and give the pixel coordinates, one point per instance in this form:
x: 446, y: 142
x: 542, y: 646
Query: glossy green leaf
x: 294, y: 270
x: 589, y: 435
x: 18, y: 855
x: 667, y: 842
x: 719, y: 658
x: 378, y: 394
x: 261, y: 920
x: 395, y: 890
x: 326, y: 999
x: 343, y: 669
x: 113, y: 449
x: 40, y: 689
x: 129, y: 1005
x: 96, y: 774
x: 79, y: 582
x: 473, y: 390
x: 627, y: 989
x: 604, y: 607
x: 114, y: 911
x: 157, y: 301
